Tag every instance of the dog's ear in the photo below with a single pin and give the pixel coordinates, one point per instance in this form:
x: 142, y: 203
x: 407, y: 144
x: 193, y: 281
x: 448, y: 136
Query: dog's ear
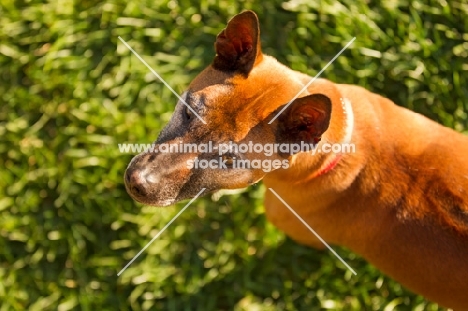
x: 304, y: 120
x: 238, y: 45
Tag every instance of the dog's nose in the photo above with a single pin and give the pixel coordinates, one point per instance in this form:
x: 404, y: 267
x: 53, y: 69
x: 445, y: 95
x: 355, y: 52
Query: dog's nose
x: 136, y: 182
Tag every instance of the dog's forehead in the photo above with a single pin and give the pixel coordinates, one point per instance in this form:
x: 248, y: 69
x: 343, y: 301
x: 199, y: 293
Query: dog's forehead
x: 226, y: 113
x: 210, y: 96
x: 209, y: 77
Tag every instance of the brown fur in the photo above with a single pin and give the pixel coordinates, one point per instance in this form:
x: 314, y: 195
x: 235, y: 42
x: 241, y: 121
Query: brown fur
x: 400, y: 201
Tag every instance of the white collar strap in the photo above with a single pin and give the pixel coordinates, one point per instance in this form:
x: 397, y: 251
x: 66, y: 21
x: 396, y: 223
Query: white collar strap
x: 349, y: 120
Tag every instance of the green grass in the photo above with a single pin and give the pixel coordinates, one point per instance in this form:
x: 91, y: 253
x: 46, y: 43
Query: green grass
x: 70, y: 91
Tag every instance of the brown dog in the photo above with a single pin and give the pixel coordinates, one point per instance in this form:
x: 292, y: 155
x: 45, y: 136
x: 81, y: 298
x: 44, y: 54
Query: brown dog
x: 399, y: 200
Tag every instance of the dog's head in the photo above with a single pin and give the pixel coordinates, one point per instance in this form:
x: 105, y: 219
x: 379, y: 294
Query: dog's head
x: 218, y: 134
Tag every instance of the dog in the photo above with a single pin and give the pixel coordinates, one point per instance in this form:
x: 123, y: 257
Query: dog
x: 400, y: 200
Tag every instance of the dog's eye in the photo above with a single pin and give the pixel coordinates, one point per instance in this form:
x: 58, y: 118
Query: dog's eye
x: 188, y: 113
x: 228, y: 158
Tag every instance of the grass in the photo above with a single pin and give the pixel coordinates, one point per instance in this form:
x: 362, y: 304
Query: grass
x: 70, y: 91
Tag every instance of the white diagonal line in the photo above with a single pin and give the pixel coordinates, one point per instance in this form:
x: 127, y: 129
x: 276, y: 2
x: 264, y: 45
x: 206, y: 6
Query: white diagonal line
x: 160, y: 232
x: 162, y: 80
x: 313, y: 79
x: 313, y: 231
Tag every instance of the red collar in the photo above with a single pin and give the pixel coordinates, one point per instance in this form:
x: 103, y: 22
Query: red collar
x: 327, y: 168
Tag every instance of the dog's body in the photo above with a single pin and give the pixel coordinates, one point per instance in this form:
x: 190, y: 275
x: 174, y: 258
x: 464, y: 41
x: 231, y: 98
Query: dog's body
x: 400, y: 200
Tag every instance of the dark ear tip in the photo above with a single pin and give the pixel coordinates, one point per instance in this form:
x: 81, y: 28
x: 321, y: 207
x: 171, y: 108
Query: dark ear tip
x: 249, y: 12
x: 251, y: 15
x: 323, y: 100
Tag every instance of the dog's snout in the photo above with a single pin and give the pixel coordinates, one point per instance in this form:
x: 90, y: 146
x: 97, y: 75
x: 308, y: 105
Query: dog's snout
x: 136, y: 182
x: 157, y: 179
